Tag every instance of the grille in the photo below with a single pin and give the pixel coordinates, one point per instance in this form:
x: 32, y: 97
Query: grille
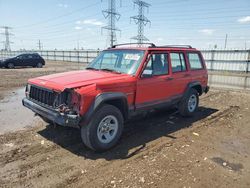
x: 41, y: 95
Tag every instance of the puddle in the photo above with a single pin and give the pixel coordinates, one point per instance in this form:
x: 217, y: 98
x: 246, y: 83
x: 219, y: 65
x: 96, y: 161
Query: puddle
x: 13, y: 116
x: 228, y: 165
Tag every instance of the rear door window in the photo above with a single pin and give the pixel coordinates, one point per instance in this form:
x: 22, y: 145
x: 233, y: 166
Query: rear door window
x: 178, y: 62
x: 194, y: 61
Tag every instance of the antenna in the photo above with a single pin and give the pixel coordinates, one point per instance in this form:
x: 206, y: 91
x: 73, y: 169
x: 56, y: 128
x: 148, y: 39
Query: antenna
x: 7, y: 35
x: 112, y: 17
x: 141, y: 21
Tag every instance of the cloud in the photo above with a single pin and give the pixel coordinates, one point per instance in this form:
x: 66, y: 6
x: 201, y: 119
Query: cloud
x: 78, y: 22
x: 90, y: 22
x: 63, y: 5
x: 207, y: 31
x: 78, y: 27
x: 245, y: 19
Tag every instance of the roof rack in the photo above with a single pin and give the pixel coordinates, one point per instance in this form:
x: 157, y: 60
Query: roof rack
x: 124, y: 44
x: 174, y: 46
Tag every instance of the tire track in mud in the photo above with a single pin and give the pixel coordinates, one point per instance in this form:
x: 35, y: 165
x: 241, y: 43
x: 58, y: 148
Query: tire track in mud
x: 152, y: 148
x: 148, y: 150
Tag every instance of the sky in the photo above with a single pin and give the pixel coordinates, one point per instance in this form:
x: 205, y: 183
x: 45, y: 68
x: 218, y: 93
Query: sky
x: 70, y: 24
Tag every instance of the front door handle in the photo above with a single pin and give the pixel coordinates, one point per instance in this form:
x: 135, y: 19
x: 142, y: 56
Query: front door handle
x: 186, y: 75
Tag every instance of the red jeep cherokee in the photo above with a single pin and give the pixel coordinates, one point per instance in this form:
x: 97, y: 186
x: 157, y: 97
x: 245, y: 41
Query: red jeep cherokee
x: 119, y: 83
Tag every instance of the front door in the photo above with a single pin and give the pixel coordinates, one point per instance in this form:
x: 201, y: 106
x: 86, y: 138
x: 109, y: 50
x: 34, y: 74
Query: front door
x: 154, y: 85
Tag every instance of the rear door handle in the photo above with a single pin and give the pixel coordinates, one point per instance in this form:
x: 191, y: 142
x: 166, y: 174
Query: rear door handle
x: 186, y: 75
x: 169, y: 78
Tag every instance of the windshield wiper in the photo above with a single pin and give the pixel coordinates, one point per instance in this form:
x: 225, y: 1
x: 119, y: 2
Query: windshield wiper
x: 110, y: 70
x: 91, y: 68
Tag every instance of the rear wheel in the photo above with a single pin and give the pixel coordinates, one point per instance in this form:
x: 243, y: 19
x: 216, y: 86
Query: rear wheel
x: 10, y: 65
x: 39, y: 65
x: 104, y: 129
x: 189, y: 103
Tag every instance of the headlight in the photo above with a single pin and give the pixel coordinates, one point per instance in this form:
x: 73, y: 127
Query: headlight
x: 27, y: 90
x: 75, y: 101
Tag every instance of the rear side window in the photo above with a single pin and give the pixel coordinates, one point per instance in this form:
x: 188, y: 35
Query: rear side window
x: 36, y: 56
x: 194, y: 61
x: 178, y: 62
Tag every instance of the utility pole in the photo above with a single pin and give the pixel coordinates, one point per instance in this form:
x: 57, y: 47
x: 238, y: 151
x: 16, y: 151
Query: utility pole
x: 7, y: 35
x: 112, y: 17
x: 40, y: 45
x: 225, y: 42
x: 141, y: 21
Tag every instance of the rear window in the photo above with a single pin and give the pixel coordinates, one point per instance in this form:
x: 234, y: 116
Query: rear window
x: 194, y: 61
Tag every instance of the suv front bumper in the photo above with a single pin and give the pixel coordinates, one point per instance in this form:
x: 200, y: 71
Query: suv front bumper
x: 52, y: 115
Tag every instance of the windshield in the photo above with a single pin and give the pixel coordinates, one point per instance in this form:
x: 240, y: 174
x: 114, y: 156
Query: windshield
x: 120, y: 61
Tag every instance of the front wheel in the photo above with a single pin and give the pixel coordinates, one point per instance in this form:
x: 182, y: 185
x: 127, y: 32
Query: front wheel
x: 10, y: 65
x: 104, y: 129
x: 189, y: 103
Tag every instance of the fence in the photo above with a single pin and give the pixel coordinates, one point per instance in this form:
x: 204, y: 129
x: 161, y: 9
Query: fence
x: 223, y: 64
x: 83, y: 56
x: 227, y: 60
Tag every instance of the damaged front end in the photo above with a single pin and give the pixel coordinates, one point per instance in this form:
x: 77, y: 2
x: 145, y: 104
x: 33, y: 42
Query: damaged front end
x: 55, y: 107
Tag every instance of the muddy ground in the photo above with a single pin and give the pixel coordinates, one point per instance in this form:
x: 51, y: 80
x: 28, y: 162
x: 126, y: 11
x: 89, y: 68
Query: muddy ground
x: 161, y: 150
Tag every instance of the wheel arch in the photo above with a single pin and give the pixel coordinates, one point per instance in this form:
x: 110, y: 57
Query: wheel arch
x: 195, y: 85
x: 116, y: 99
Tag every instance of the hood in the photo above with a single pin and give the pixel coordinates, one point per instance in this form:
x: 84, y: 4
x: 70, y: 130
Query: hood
x: 75, y: 79
x: 7, y: 59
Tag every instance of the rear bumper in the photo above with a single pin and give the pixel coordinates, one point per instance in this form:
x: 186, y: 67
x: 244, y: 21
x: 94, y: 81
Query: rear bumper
x: 52, y: 115
x: 206, y: 89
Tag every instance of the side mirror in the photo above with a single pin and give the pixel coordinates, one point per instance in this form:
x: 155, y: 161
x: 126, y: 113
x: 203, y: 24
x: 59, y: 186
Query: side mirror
x: 147, y: 73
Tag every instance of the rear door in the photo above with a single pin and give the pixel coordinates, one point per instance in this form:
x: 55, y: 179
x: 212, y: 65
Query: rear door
x: 180, y: 73
x: 29, y: 60
x: 155, y: 88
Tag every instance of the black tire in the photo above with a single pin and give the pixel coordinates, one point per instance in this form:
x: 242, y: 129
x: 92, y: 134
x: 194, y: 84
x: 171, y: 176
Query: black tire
x: 10, y: 65
x: 39, y: 65
x: 89, y: 133
x: 184, y: 107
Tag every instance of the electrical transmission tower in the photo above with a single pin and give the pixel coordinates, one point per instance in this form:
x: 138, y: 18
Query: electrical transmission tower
x: 40, y: 45
x: 112, y: 17
x: 7, y: 35
x: 141, y: 21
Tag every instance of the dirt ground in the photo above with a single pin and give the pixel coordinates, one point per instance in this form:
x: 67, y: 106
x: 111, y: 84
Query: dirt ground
x: 162, y: 149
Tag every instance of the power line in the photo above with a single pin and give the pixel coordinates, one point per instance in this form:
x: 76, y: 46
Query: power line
x: 112, y: 17
x: 7, y: 35
x: 141, y: 21
x: 57, y: 17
